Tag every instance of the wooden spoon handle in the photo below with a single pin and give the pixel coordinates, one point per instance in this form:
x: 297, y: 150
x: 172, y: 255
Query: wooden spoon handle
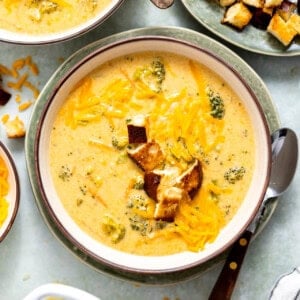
x: 224, y: 286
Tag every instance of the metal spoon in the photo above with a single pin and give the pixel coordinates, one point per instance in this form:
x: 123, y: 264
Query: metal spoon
x: 284, y: 162
x: 162, y: 3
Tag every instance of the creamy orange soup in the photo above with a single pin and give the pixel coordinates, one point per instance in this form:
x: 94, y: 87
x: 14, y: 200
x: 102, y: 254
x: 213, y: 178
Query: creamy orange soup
x: 190, y: 113
x: 47, y: 16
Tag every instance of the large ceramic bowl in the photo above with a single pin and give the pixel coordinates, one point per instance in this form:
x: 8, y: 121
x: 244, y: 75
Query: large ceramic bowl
x: 13, y: 196
x: 65, y: 34
x: 150, y: 264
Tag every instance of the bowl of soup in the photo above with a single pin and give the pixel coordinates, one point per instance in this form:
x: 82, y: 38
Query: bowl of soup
x: 152, y: 155
x: 47, y: 21
x: 9, y: 191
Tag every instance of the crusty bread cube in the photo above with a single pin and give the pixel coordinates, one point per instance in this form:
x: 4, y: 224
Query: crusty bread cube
x: 255, y: 3
x: 281, y: 30
x: 273, y: 3
x: 268, y: 10
x: 225, y: 3
x: 294, y: 21
x: 237, y: 15
x: 15, y: 128
x: 286, y: 9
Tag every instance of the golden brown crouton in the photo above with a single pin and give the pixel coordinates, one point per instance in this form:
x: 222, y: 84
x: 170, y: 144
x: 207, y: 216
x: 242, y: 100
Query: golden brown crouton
x: 15, y: 128
x: 147, y: 156
x: 286, y: 9
x: 281, y: 30
x: 294, y: 21
x: 191, y: 179
x: 273, y: 3
x: 254, y: 3
x: 151, y: 183
x: 168, y: 201
x: 237, y: 15
x: 225, y: 3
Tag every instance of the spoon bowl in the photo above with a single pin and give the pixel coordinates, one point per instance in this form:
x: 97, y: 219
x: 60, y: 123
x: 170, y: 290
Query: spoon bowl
x: 285, y: 153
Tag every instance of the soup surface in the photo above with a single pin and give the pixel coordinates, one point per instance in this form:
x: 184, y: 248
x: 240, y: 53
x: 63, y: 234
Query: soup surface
x: 47, y: 16
x: 137, y: 199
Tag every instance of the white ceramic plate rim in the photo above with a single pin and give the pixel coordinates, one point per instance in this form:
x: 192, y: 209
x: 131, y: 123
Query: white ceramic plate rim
x: 111, y: 256
x: 13, y: 196
x: 31, y: 39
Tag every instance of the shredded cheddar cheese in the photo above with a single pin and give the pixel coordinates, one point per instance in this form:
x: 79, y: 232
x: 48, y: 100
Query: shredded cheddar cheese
x: 25, y: 105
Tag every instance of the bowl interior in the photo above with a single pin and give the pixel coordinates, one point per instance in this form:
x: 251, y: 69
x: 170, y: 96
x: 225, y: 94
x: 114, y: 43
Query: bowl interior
x: 23, y: 38
x: 150, y: 263
x: 13, y: 194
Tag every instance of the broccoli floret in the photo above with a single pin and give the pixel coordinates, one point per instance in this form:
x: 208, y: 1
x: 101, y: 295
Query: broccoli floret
x: 120, y: 142
x: 140, y: 224
x: 158, y: 70
x: 234, y: 174
x: 138, y: 202
x: 153, y: 75
x: 138, y: 183
x: 216, y: 105
x: 113, y: 229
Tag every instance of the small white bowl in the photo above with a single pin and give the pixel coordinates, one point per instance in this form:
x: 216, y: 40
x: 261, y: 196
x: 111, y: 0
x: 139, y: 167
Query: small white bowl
x: 60, y: 291
x: 151, y: 264
x: 39, y: 39
x: 13, y: 196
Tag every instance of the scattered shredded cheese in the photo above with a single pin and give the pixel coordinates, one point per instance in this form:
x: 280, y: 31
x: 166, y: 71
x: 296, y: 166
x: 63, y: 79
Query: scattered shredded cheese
x: 25, y: 105
x: 20, y: 70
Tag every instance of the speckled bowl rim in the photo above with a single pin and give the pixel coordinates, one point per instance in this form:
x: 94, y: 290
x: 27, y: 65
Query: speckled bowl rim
x: 184, y: 34
x: 68, y: 34
x: 16, y: 202
x: 209, y: 14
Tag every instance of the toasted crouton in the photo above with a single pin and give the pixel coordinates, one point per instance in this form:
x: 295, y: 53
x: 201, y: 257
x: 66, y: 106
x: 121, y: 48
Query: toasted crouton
x: 273, y: 3
x: 281, y: 30
x: 225, y: 3
x: 136, y: 128
x: 4, y: 95
x: 261, y: 19
x: 168, y: 201
x: 151, y: 183
x: 254, y: 3
x: 191, y: 179
x: 15, y: 128
x: 286, y: 9
x: 147, y: 156
x: 294, y: 21
x: 237, y: 15
x: 136, y: 134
